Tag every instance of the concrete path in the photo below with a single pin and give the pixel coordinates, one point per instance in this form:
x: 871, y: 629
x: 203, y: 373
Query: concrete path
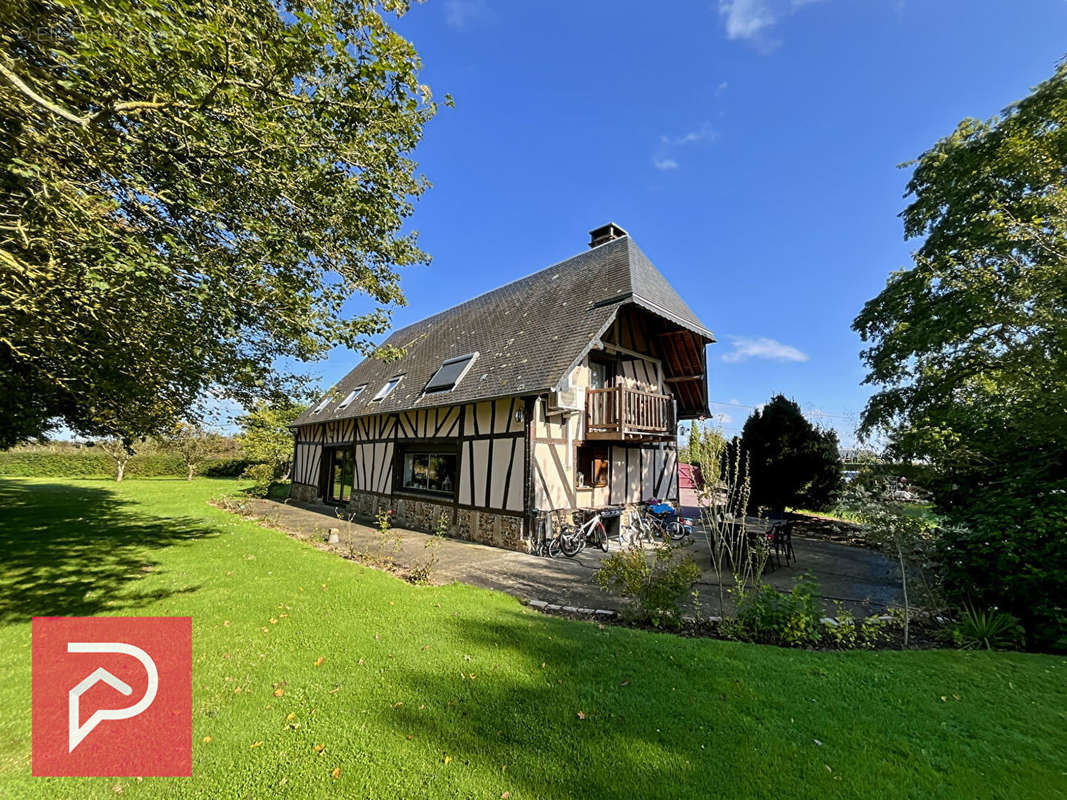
x: 864, y: 580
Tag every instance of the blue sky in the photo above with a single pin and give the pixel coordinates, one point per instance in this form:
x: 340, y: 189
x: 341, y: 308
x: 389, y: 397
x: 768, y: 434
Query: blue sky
x: 749, y: 147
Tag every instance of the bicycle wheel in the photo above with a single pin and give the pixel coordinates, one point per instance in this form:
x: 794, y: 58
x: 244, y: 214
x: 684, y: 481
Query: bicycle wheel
x: 553, y: 547
x: 676, y: 530
x: 601, y: 536
x: 571, y: 541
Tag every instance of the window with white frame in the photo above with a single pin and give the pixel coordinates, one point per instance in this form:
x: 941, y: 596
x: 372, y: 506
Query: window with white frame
x: 325, y: 402
x: 351, y: 396
x: 385, y: 391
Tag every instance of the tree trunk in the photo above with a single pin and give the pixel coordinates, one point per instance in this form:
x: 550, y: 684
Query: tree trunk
x: 192, y: 470
x: 120, y: 471
x: 904, y: 586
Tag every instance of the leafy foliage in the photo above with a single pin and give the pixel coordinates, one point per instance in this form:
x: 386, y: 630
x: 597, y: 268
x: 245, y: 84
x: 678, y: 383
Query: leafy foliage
x: 765, y: 614
x: 265, y: 436
x: 969, y: 348
x: 988, y: 628
x: 191, y: 192
x: 792, y: 462
x: 656, y: 587
x: 97, y: 465
x: 192, y: 444
x: 1012, y: 556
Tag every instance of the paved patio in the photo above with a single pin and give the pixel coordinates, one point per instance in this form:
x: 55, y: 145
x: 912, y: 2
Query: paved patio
x: 864, y: 580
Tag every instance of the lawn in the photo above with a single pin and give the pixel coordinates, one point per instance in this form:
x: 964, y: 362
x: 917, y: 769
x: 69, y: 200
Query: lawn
x: 460, y: 692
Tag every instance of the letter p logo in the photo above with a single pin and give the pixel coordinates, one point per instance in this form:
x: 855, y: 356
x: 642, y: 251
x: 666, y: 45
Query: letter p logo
x: 85, y: 671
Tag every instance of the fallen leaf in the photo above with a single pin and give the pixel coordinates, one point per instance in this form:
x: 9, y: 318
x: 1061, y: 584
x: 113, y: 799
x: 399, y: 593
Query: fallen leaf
x: 944, y: 699
x: 319, y: 748
x: 207, y: 739
x: 625, y: 682
x: 279, y: 692
x: 581, y: 715
x: 336, y: 770
x: 319, y: 660
x: 237, y: 690
x: 255, y: 744
x: 448, y: 760
x: 291, y: 716
x: 426, y: 647
x: 226, y: 623
x: 505, y: 796
x: 273, y: 621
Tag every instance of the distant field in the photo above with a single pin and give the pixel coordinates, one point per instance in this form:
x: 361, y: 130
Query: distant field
x: 460, y: 692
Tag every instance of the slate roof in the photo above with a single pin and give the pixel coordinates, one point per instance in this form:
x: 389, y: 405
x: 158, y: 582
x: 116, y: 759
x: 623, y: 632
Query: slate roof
x: 528, y: 334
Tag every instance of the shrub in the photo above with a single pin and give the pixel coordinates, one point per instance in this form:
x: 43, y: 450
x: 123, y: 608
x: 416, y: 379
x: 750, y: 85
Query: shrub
x: 655, y: 589
x: 764, y: 614
x: 1011, y: 556
x: 989, y: 628
x: 225, y: 467
x: 262, y: 476
x: 89, y: 463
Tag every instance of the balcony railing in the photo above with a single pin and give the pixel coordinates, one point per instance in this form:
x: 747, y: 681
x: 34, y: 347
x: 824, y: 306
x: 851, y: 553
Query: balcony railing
x: 621, y: 413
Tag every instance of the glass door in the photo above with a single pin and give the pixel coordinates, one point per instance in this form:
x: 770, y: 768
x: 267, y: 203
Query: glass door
x: 342, y: 474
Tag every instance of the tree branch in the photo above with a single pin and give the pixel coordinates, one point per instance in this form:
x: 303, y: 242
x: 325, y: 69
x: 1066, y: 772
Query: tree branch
x: 59, y: 111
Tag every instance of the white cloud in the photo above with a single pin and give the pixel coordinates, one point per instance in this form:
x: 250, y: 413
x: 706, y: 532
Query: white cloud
x: 705, y: 131
x: 744, y: 19
x: 722, y: 418
x: 721, y: 88
x: 462, y: 14
x: 762, y: 347
x: 664, y: 158
x: 751, y: 20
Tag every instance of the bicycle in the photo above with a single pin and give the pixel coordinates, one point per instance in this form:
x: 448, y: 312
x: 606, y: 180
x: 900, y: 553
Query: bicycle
x: 545, y: 544
x: 660, y: 526
x: 573, y: 538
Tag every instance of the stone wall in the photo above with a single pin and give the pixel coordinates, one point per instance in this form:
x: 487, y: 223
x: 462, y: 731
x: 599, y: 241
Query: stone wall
x: 303, y: 492
x: 485, y: 527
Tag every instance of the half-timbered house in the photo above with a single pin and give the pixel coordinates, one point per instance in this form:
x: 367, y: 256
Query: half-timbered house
x: 561, y: 390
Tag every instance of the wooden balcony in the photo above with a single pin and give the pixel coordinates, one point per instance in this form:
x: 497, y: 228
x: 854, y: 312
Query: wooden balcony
x: 620, y: 413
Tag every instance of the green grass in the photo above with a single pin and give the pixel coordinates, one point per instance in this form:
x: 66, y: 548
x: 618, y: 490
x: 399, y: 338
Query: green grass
x: 460, y: 692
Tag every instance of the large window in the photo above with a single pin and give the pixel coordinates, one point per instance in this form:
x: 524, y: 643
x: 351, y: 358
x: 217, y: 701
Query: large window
x: 429, y: 471
x: 450, y: 373
x: 342, y: 474
x: 592, y: 465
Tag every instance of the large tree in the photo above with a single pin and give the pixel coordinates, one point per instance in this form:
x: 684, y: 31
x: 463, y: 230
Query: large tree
x: 791, y: 462
x: 969, y: 349
x: 190, y: 192
x: 969, y: 345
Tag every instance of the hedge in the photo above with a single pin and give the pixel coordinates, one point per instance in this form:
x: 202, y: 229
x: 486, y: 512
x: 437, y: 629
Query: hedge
x: 28, y: 464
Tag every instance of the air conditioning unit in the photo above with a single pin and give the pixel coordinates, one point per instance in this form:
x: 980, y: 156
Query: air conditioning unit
x: 566, y: 400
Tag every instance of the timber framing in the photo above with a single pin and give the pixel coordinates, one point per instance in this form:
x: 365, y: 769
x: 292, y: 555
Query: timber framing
x: 598, y: 349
